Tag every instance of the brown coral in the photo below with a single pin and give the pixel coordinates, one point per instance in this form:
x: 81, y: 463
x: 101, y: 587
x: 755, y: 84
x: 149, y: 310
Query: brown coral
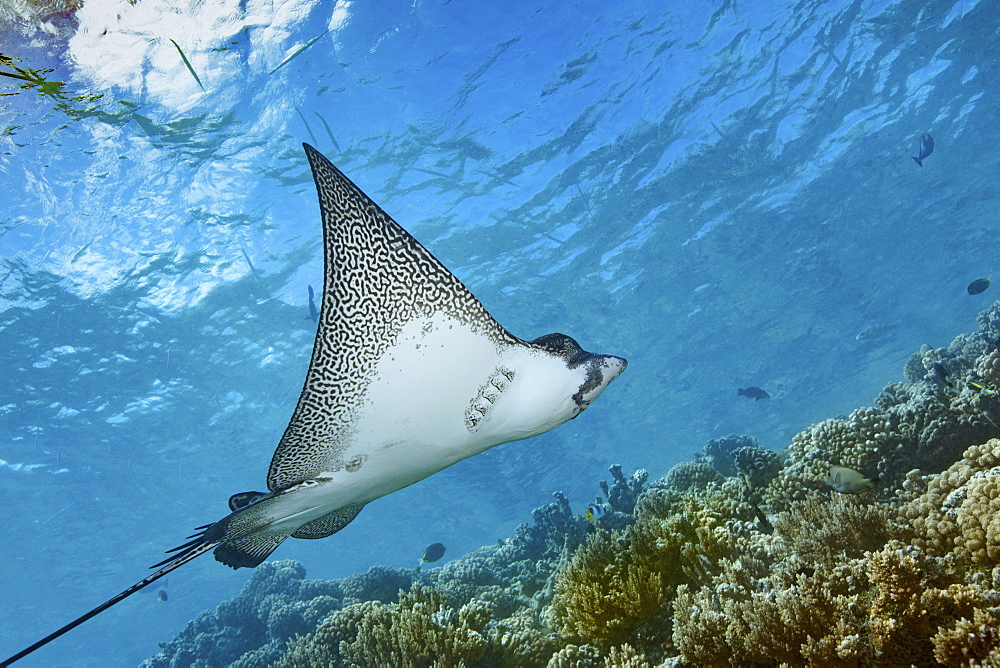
x: 970, y: 642
x: 960, y: 511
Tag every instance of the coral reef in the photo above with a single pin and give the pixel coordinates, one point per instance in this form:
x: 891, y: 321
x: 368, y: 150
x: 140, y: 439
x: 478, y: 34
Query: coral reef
x: 419, y: 630
x: 719, y: 452
x: 743, y: 556
x: 276, y: 604
x: 623, y: 494
x: 690, y: 475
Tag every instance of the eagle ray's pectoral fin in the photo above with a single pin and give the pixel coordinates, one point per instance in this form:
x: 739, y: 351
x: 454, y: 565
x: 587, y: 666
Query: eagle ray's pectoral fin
x: 328, y: 524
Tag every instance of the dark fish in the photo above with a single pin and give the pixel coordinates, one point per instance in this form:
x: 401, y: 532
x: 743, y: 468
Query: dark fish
x: 941, y: 373
x: 926, y: 148
x: 763, y: 523
x: 161, y: 595
x: 978, y: 286
x: 433, y: 552
x: 313, y: 312
x: 753, y: 393
x: 187, y: 64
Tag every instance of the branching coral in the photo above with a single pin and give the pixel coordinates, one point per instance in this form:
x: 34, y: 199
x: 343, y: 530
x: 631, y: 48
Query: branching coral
x: 822, y: 532
x: 624, y: 492
x: 419, y: 630
x: 970, y: 642
x: 604, y: 592
x: 619, y: 583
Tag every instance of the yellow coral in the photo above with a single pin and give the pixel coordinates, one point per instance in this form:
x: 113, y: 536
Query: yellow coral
x: 419, y: 630
x: 910, y: 607
x: 603, y: 591
x: 618, y: 582
x: 625, y: 657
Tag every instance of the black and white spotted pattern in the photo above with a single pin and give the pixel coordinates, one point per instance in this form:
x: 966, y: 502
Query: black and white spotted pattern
x: 377, y: 278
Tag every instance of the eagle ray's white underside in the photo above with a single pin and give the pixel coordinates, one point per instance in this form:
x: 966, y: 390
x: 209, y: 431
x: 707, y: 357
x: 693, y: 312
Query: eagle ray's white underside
x: 411, y: 420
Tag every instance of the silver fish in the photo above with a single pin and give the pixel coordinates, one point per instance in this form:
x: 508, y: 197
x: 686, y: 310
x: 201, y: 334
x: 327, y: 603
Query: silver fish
x: 926, y: 148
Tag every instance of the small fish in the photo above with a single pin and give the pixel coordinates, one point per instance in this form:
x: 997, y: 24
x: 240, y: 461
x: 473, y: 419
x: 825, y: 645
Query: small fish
x: 926, y: 148
x: 298, y: 51
x: 594, y: 512
x: 306, y: 123
x: 329, y: 132
x: 187, y: 63
x: 753, y: 393
x: 979, y: 388
x: 978, y: 286
x: 941, y: 373
x: 161, y: 595
x: 848, y: 481
x: 313, y: 311
x: 433, y: 552
x: 763, y: 523
x: 875, y: 331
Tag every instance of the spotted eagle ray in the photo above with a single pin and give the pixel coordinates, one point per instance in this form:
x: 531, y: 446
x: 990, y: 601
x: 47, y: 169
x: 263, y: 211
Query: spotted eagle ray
x: 409, y: 375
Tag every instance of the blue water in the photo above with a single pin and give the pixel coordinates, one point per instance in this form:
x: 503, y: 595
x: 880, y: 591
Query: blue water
x: 722, y: 192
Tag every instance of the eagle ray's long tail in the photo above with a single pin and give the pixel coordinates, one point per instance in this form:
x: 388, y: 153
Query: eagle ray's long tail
x: 190, y: 551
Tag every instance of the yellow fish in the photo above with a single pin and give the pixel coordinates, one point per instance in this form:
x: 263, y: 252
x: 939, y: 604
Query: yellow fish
x: 848, y: 481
